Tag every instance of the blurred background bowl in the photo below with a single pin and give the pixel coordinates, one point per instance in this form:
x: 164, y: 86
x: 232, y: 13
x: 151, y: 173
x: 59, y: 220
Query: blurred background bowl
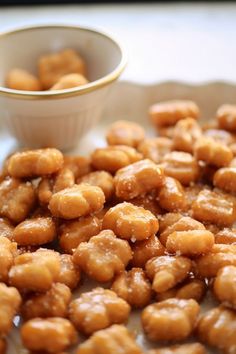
x: 57, y: 118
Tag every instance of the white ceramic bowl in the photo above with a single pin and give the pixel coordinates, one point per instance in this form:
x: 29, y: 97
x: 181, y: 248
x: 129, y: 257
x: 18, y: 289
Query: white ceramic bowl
x: 57, y: 118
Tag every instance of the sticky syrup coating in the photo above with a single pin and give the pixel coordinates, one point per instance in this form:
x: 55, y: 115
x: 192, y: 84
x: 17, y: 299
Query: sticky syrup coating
x: 124, y: 132
x: 16, y: 199
x: 171, y: 320
x: 79, y: 200
x: 69, y: 81
x: 10, y: 305
x: 170, y: 112
x: 51, y: 67
x: 226, y: 117
x: 73, y: 232
x: 98, y: 309
x: 225, y: 286
x: 216, y: 328
x: 193, y: 348
x: 225, y: 178
x: 35, y: 271
x: 137, y: 179
x: 19, y: 79
x: 34, y: 163
x: 115, y: 339
x: 103, y: 256
x: 167, y: 271
x: 101, y: 179
x: 130, y: 222
x: 114, y: 157
x: 155, y: 148
x: 36, y: 231
x: 171, y: 195
x: 53, y: 303
x: 8, y: 251
x: 134, y: 287
x: 52, y: 334
x: 186, y: 133
x: 69, y: 274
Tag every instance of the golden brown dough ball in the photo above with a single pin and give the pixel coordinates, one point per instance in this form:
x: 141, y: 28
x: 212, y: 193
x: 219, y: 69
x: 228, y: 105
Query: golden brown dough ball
x: 69, y: 81
x: 10, y: 301
x: 8, y: 251
x: 226, y: 117
x: 19, y: 79
x: 124, y: 132
x: 101, y: 179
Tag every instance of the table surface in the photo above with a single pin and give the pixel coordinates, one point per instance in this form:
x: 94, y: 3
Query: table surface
x: 187, y: 42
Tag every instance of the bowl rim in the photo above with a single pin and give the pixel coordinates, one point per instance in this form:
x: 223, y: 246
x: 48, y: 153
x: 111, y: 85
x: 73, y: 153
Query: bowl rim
x: 76, y: 91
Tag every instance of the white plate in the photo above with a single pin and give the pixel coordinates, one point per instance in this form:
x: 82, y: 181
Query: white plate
x: 131, y: 101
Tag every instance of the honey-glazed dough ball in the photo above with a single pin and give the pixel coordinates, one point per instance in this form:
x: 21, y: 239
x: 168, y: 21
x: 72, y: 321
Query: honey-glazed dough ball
x: 36, y: 231
x: 35, y: 163
x: 10, y: 301
x: 167, y: 271
x: 193, y: 348
x: 103, y: 256
x: 171, y: 319
x: 101, y: 179
x: 16, y: 199
x: 69, y: 81
x: 130, y: 222
x: 114, y: 157
x: 6, y: 228
x: 98, y: 309
x: 225, y: 286
x: 35, y: 271
x: 69, y: 272
x: 19, y: 79
x: 145, y: 250
x: 51, y: 67
x: 134, y: 287
x: 226, y: 236
x: 53, y: 303
x: 186, y: 134
x: 8, y: 250
x: 155, y: 148
x: 79, y: 165
x: 51, y: 335
x: 123, y: 132
x: 79, y: 200
x: 216, y: 328
x: 171, y: 195
x: 115, y: 339
x: 137, y: 179
x: 226, y: 117
x: 72, y: 233
x: 170, y: 112
x: 225, y: 178
x: 65, y: 178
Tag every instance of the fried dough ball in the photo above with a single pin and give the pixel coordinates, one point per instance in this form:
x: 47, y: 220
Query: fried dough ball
x: 225, y: 286
x: 36, y: 231
x: 65, y: 178
x: 8, y: 250
x: 98, y: 309
x: 6, y: 228
x: 212, y: 152
x: 123, y: 132
x: 53, y: 303
x: 103, y: 256
x: 10, y: 301
x: 216, y: 328
x: 190, y: 243
x: 134, y: 287
x: 69, y: 81
x: 171, y: 196
x: 130, y: 222
x: 167, y: 271
x: 35, y: 163
x: 155, y: 148
x: 79, y: 200
x: 19, y: 79
x: 115, y: 339
x: 226, y: 236
x: 225, y: 178
x: 214, y: 207
x: 145, y: 250
x: 101, y: 179
x: 170, y: 112
x: 51, y: 335
x: 171, y: 319
x: 72, y: 233
x: 226, y: 117
x: 220, y: 256
x: 181, y: 166
x: 137, y: 179
x: 79, y: 165
x: 114, y: 157
x: 69, y: 273
x: 35, y: 271
x: 193, y: 348
x: 51, y: 67
x: 186, y: 133
x: 16, y: 199
x: 220, y: 136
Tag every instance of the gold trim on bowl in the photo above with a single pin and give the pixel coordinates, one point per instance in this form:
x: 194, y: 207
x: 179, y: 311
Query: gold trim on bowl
x: 77, y: 91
